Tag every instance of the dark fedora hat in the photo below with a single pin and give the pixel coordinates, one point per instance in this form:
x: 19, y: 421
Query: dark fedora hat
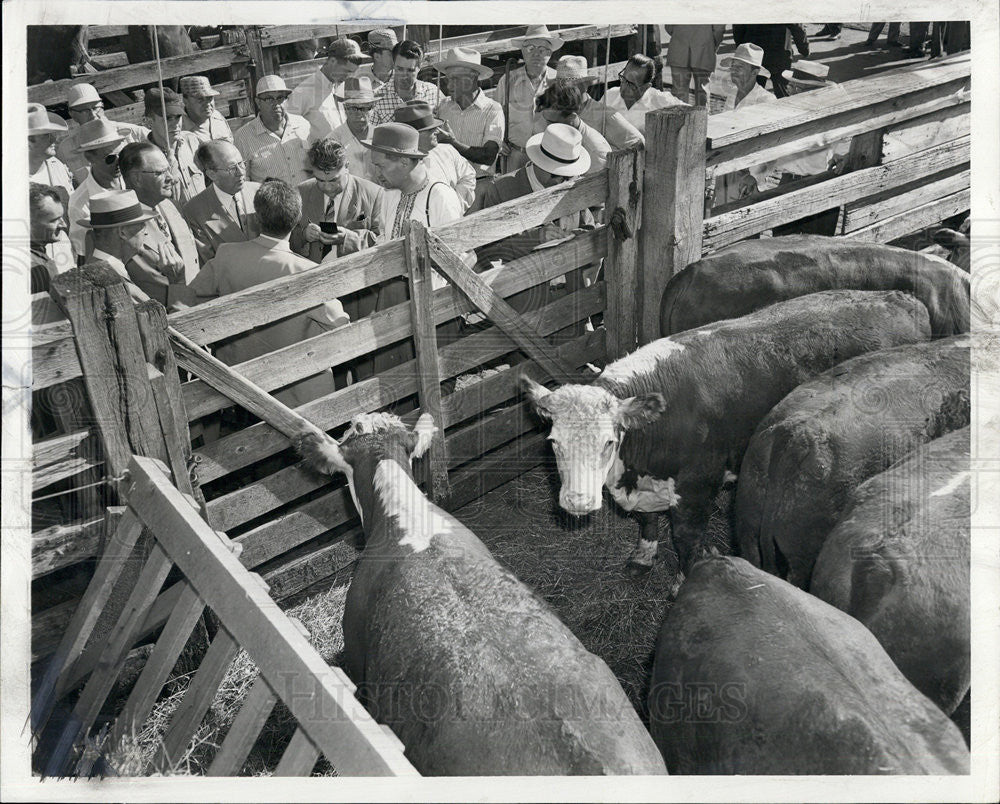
x: 397, y: 139
x: 418, y: 114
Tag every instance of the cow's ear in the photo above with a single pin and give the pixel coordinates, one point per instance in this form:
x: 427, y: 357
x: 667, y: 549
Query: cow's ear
x: 638, y: 411
x: 538, y: 394
x: 320, y: 452
x: 424, y: 430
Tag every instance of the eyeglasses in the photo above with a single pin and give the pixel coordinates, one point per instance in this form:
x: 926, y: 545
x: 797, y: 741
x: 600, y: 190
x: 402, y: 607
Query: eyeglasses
x: 234, y: 169
x: 158, y: 173
x: 624, y: 80
x: 536, y: 48
x: 275, y: 99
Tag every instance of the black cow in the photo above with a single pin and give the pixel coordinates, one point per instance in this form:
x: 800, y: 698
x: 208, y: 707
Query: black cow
x: 755, y: 273
x: 712, y: 387
x: 472, y: 671
x: 754, y: 676
x: 834, y: 432
x: 898, y: 561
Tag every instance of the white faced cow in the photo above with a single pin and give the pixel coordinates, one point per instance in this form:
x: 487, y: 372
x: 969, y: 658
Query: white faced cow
x: 472, y: 671
x: 663, y: 427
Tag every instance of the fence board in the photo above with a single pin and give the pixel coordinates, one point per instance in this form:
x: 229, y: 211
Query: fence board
x: 65, y: 544
x: 870, y: 211
x: 274, y: 35
x: 488, y: 47
x: 244, y: 730
x: 134, y: 112
x: 914, y: 220
x: 299, y: 757
x: 923, y: 132
x: 625, y: 169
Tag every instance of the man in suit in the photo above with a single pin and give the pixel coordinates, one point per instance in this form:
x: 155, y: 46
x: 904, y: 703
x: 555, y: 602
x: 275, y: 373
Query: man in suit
x: 178, y: 146
x: 222, y: 212
x: 169, y: 260
x: 238, y: 266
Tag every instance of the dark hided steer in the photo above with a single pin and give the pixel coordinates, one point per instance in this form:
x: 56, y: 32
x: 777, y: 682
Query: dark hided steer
x: 663, y: 427
x: 834, y: 432
x: 752, y: 675
x: 898, y: 561
x: 470, y: 669
x: 755, y: 273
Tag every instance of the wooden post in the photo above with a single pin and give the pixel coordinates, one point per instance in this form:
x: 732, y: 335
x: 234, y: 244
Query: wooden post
x: 419, y: 270
x: 866, y: 151
x: 624, y: 209
x: 673, y: 192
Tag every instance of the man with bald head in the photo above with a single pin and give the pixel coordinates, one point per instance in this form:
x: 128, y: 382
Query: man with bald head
x: 223, y: 212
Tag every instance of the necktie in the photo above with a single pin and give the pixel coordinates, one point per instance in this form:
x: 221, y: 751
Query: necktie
x: 239, y: 213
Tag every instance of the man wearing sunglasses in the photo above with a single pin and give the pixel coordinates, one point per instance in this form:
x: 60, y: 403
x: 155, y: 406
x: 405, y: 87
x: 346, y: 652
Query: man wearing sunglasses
x: 100, y: 144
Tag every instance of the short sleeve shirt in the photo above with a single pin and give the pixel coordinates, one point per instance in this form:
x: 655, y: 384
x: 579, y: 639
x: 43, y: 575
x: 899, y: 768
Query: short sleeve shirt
x: 272, y: 156
x: 481, y: 123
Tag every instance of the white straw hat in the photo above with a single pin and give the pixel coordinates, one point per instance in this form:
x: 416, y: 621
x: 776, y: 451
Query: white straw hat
x: 559, y: 150
x: 115, y: 208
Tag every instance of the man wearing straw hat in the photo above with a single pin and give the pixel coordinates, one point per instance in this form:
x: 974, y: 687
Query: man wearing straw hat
x: 611, y: 125
x: 517, y: 91
x: 562, y: 103
x: 315, y: 98
x: 85, y: 105
x: 100, y: 144
x: 380, y: 44
x: 43, y: 165
x: 404, y: 86
x: 178, y: 146
x: 201, y: 118
x: 358, y: 100
x: 117, y: 225
x: 274, y: 143
x: 442, y: 161
x: 472, y: 123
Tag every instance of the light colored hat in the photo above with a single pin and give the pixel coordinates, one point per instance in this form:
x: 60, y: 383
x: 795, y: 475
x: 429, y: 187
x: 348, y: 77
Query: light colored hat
x: 197, y: 86
x: 397, y: 139
x: 559, y: 150
x: 345, y: 50
x: 81, y: 95
x: 97, y: 133
x: 748, y: 53
x: 42, y: 121
x: 574, y: 68
x: 808, y: 73
x: 272, y: 83
x: 537, y: 32
x: 357, y: 91
x: 383, y: 38
x: 115, y: 208
x: 417, y: 114
x: 464, y: 58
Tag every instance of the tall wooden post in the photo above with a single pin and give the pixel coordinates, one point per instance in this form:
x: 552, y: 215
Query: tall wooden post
x: 673, y: 192
x: 622, y: 268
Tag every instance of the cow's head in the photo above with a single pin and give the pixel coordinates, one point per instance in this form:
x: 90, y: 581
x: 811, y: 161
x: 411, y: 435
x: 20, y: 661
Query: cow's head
x: 588, y: 423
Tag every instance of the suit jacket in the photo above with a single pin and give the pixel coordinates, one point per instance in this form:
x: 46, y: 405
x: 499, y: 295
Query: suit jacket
x: 693, y: 47
x: 156, y: 280
x: 358, y: 217
x: 238, y: 266
x: 212, y: 224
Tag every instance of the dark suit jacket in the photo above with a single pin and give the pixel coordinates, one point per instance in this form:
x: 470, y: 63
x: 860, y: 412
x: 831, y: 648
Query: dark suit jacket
x: 211, y: 224
x: 359, y: 217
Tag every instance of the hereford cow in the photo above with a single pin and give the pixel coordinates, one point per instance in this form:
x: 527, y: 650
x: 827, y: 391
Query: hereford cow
x: 472, y: 671
x: 661, y: 428
x: 754, y: 676
x: 834, y: 432
x: 898, y: 561
x: 755, y: 273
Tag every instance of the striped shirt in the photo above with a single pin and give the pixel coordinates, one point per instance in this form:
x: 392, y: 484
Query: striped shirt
x: 477, y: 125
x: 387, y: 101
x: 521, y: 111
x: 270, y: 156
x: 214, y: 127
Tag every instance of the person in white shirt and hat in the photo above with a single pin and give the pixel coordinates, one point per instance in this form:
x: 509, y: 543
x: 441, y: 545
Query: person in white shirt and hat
x: 45, y: 168
x: 381, y: 41
x: 315, y: 98
x: 100, y: 144
x: 201, y: 118
x: 472, y: 123
x: 636, y: 95
x: 85, y: 105
x: 117, y: 225
x: 517, y: 91
x: 358, y: 100
x: 607, y: 122
x: 274, y: 143
x: 562, y: 102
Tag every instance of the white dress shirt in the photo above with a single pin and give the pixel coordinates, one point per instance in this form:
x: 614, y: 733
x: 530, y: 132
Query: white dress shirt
x: 79, y: 209
x: 314, y: 100
x: 651, y: 100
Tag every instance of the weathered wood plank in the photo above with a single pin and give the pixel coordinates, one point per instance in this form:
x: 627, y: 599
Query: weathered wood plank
x: 869, y: 211
x: 299, y: 757
x: 488, y: 46
x: 62, y: 457
x: 624, y: 208
x: 913, y: 220
x: 134, y: 112
x: 923, y: 132
x: 65, y: 544
x: 274, y: 35
x: 244, y: 731
x: 44, y: 311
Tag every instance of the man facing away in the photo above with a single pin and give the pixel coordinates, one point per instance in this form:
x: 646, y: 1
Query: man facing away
x: 238, y: 266
x: 315, y: 98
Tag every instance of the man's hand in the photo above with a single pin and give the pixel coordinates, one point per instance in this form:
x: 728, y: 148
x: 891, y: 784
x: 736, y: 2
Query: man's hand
x: 445, y: 135
x: 168, y: 260
x: 313, y: 234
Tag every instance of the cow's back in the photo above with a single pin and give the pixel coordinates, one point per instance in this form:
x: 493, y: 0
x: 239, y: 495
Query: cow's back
x: 786, y: 684
x: 755, y: 273
x: 477, y: 676
x: 834, y: 432
x: 907, y: 577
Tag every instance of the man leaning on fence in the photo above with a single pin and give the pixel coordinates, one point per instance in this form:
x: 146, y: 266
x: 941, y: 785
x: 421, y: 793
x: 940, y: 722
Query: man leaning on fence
x: 637, y: 96
x: 607, y: 122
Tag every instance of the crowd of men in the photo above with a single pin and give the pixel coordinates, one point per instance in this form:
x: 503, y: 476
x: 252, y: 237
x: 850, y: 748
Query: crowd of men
x: 188, y: 210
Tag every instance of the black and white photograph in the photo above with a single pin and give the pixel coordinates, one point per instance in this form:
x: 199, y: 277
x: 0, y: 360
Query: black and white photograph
x: 494, y: 396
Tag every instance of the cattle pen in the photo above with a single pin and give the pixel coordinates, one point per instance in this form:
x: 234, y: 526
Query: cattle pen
x: 109, y: 374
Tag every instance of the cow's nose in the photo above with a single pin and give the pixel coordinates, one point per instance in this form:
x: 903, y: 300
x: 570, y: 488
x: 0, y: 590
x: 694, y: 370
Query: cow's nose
x: 576, y: 502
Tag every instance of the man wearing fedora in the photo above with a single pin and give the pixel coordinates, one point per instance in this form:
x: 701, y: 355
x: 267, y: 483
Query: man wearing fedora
x: 201, y: 118
x: 380, y: 44
x: 516, y: 92
x: 274, y: 143
x: 442, y: 161
x: 117, y: 226
x: 562, y: 102
x: 775, y: 41
x: 85, y: 105
x: 636, y: 94
x: 223, y: 211
x: 178, y: 146
x: 315, y: 98
x: 358, y: 100
x: 404, y: 86
x: 607, y: 122
x: 238, y: 266
x: 472, y: 123
x: 100, y: 145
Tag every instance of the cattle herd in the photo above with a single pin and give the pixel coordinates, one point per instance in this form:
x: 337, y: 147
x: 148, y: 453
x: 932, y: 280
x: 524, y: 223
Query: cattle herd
x: 830, y: 381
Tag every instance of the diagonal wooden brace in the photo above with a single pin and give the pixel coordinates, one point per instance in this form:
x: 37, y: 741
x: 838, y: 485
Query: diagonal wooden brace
x: 493, y: 306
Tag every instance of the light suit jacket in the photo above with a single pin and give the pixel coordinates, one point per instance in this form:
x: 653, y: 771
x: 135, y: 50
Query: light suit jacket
x: 212, y: 224
x: 358, y: 216
x: 144, y: 269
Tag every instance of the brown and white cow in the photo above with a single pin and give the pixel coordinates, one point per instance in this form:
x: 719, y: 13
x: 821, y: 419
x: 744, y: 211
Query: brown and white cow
x: 473, y: 672
x: 754, y: 676
x: 664, y: 426
x: 752, y: 274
